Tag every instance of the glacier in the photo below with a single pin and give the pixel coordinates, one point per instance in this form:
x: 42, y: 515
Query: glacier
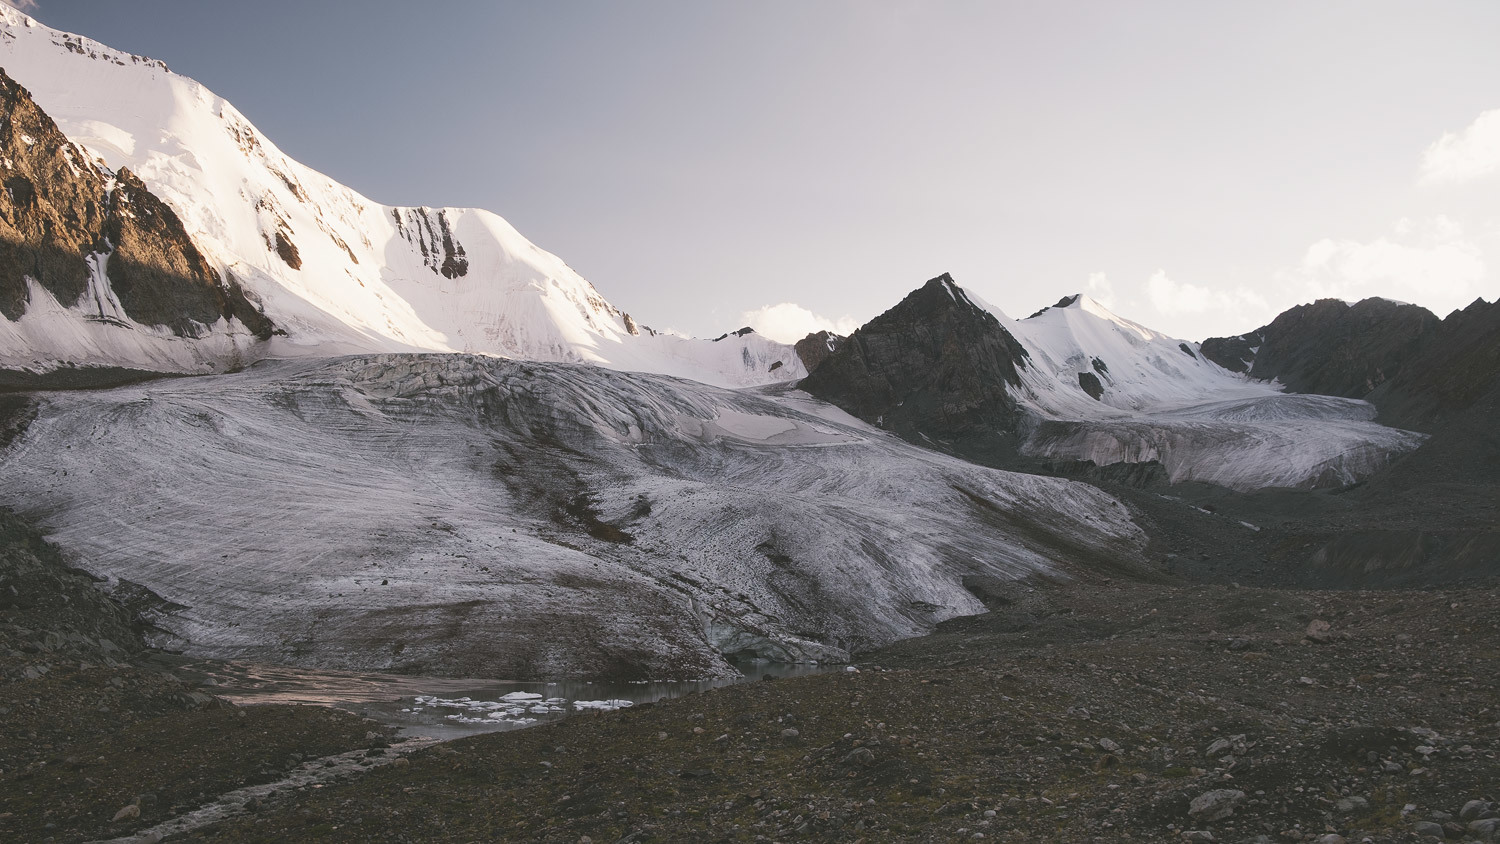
x: 473, y: 516
x: 1162, y: 401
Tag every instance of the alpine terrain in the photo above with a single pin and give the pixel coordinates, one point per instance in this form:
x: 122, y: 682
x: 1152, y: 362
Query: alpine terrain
x: 1078, y: 580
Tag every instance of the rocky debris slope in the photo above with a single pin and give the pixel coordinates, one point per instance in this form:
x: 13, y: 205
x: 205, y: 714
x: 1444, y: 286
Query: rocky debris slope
x: 1120, y: 713
x: 52, y: 612
x: 74, y: 235
x: 1330, y: 347
x: 448, y: 514
x: 99, y: 736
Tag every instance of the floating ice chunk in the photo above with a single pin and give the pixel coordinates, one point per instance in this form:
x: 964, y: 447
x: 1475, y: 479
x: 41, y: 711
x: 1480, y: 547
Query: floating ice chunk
x: 602, y: 705
x: 521, y: 696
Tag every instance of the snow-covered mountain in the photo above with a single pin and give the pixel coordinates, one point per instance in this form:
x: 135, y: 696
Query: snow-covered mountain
x: 1075, y: 382
x: 336, y: 272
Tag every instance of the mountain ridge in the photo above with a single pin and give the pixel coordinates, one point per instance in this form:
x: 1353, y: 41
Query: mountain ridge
x: 337, y: 272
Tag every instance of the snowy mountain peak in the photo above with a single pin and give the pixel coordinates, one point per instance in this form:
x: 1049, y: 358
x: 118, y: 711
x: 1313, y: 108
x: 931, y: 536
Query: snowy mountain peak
x: 338, y: 272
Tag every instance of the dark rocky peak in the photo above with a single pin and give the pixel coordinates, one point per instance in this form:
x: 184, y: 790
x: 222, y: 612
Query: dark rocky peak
x: 741, y: 333
x: 816, y: 347
x: 1064, y: 302
x: 63, y: 219
x: 1329, y: 347
x: 935, y: 366
x: 1235, y: 354
x: 1454, y: 371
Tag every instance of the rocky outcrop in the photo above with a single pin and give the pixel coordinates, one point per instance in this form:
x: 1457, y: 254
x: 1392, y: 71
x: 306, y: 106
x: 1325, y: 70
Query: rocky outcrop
x: 816, y: 348
x: 1329, y: 347
x: 53, y: 609
x: 87, y: 236
x: 1454, y: 371
x: 432, y: 233
x: 936, y: 366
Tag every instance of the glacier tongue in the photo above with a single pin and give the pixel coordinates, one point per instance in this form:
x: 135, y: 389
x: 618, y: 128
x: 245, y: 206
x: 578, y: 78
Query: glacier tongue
x: 1161, y: 400
x: 338, y: 272
x: 474, y: 516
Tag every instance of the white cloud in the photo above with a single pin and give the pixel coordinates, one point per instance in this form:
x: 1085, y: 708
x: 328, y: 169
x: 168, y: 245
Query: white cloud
x: 1101, y: 290
x: 1173, y: 298
x: 788, y: 322
x: 1430, y: 262
x: 1464, y: 156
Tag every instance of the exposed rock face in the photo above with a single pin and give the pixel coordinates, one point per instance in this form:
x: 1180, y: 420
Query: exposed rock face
x: 432, y: 233
x: 816, y: 347
x: 1091, y: 384
x: 935, y: 365
x: 1329, y: 347
x: 87, y: 236
x: 1456, y: 369
x: 1235, y: 354
x: 52, y: 209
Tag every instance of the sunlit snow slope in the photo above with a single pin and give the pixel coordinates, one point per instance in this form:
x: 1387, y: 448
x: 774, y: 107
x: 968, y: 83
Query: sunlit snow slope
x: 1160, y: 400
x: 336, y: 271
x: 475, y: 516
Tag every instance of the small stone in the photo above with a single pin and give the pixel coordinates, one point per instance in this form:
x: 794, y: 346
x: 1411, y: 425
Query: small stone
x: 1351, y: 804
x: 129, y: 813
x: 1319, y: 631
x: 1218, y: 748
x: 1216, y: 805
x: 860, y: 756
x: 1485, y: 829
x: 1331, y: 838
x: 1197, y: 835
x: 1109, y: 745
x: 1472, y: 810
x: 400, y: 763
x: 1428, y: 829
x: 790, y: 733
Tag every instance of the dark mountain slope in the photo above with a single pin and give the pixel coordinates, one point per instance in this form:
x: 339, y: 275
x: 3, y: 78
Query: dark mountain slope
x: 1457, y: 368
x: 1330, y: 347
x: 63, y: 219
x: 935, y: 365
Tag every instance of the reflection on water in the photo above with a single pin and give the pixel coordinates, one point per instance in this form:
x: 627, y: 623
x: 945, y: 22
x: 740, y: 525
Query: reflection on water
x: 448, y: 708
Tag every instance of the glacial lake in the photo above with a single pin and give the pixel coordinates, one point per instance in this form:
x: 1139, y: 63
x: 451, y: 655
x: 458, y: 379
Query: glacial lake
x: 446, y: 708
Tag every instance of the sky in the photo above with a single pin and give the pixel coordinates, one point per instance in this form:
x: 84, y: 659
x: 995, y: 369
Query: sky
x: 803, y: 164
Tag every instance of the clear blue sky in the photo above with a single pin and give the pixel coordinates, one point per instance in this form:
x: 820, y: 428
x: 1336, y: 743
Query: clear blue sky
x: 1200, y: 166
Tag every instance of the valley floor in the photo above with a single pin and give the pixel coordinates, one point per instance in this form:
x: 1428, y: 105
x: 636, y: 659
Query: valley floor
x: 1061, y: 715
